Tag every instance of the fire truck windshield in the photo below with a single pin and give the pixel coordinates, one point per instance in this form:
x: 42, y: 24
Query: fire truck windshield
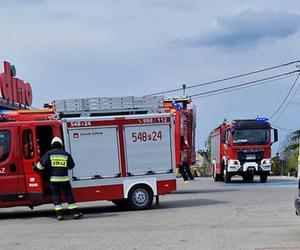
x: 250, y: 136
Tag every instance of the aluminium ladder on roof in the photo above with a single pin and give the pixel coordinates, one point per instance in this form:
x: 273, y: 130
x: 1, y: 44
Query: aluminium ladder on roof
x: 107, y: 106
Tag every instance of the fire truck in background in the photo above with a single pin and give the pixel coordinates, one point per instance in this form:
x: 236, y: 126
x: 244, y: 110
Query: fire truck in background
x: 123, y: 147
x: 242, y: 147
x: 297, y: 200
x: 185, y: 128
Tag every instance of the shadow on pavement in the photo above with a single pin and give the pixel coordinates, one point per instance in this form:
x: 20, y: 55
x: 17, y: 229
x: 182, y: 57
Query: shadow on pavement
x: 203, y: 191
x: 89, y: 212
x: 242, y: 182
x: 189, y: 203
x: 107, y: 210
x: 25, y: 214
x: 257, y: 181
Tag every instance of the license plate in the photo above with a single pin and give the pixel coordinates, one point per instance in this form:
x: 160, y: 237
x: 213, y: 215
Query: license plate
x: 250, y: 157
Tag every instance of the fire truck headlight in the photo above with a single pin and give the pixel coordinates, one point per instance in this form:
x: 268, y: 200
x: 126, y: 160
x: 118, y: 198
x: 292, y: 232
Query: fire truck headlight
x: 233, y: 162
x: 266, y: 161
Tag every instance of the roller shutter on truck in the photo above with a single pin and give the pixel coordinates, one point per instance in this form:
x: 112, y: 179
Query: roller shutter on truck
x: 95, y: 151
x: 148, y: 149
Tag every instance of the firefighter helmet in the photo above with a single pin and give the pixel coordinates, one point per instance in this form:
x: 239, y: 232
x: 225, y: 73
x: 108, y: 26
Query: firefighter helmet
x: 56, y: 139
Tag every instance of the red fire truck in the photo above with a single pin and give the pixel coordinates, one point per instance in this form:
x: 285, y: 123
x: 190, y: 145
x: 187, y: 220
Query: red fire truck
x: 185, y: 128
x: 123, y: 148
x: 297, y: 200
x: 242, y: 147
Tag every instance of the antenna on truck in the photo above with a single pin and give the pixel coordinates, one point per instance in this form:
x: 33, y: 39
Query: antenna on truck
x: 184, y: 89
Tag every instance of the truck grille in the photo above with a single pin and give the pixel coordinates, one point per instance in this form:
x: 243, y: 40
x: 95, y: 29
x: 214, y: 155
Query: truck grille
x: 250, y: 155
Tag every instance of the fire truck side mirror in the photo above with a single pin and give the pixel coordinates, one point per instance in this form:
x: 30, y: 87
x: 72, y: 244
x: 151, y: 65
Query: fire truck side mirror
x: 275, y: 135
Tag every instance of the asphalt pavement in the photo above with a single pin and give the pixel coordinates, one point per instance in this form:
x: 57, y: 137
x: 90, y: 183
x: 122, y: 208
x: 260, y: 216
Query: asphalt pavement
x: 202, y: 215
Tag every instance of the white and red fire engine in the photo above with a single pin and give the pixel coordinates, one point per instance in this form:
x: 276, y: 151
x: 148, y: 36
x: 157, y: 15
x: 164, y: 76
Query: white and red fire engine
x: 123, y: 147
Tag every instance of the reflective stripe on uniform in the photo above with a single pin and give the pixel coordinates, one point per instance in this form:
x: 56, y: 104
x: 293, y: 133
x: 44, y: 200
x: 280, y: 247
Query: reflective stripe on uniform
x: 39, y: 166
x: 58, y: 207
x: 59, y: 178
x: 59, y: 161
x: 72, y: 206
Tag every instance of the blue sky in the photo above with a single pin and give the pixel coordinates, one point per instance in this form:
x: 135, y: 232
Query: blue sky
x: 94, y: 48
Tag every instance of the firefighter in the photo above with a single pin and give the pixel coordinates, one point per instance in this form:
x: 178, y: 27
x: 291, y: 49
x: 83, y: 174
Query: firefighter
x: 57, y: 162
x: 184, y: 168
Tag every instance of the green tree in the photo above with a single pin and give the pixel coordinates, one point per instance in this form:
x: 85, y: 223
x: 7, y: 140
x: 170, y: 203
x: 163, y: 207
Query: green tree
x: 292, y: 163
x: 276, y: 169
x: 207, y: 144
x: 290, y: 151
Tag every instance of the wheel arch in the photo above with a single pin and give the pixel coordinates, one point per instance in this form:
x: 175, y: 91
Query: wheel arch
x: 129, y: 184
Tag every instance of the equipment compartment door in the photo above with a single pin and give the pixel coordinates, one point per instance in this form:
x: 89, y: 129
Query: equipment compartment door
x: 11, y: 172
x: 95, y: 152
x: 148, y: 149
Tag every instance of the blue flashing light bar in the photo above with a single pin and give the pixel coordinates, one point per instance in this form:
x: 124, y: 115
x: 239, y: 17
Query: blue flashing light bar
x: 176, y: 105
x: 261, y: 119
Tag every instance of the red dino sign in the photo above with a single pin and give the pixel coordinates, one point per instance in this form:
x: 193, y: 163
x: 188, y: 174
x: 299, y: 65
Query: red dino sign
x: 14, y: 89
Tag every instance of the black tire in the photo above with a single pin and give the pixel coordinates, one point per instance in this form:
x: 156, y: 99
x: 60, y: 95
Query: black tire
x: 251, y: 177
x: 140, y: 197
x: 217, y: 177
x: 263, y: 178
x: 248, y: 177
x: 227, y: 177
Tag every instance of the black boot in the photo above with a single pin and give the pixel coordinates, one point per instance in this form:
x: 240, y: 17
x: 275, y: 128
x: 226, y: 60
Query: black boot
x: 59, y: 215
x: 76, y: 214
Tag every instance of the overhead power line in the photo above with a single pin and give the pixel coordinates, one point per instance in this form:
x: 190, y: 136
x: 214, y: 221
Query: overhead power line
x: 244, y: 87
x: 284, y: 100
x: 227, y: 78
x: 288, y: 104
x: 244, y: 84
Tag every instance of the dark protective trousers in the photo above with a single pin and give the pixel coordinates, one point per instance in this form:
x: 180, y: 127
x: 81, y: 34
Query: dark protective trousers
x: 57, y: 188
x: 185, y: 172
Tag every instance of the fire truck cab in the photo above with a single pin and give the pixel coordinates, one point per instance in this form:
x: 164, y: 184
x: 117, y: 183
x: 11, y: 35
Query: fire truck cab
x: 24, y: 138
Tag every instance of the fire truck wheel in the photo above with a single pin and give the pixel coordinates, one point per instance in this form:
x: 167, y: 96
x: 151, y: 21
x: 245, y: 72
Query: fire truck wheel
x: 227, y: 177
x: 217, y: 177
x: 248, y: 177
x: 251, y: 177
x: 245, y: 178
x: 140, y: 197
x: 263, y: 178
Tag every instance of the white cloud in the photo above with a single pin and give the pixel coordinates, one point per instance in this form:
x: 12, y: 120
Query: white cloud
x: 245, y: 29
